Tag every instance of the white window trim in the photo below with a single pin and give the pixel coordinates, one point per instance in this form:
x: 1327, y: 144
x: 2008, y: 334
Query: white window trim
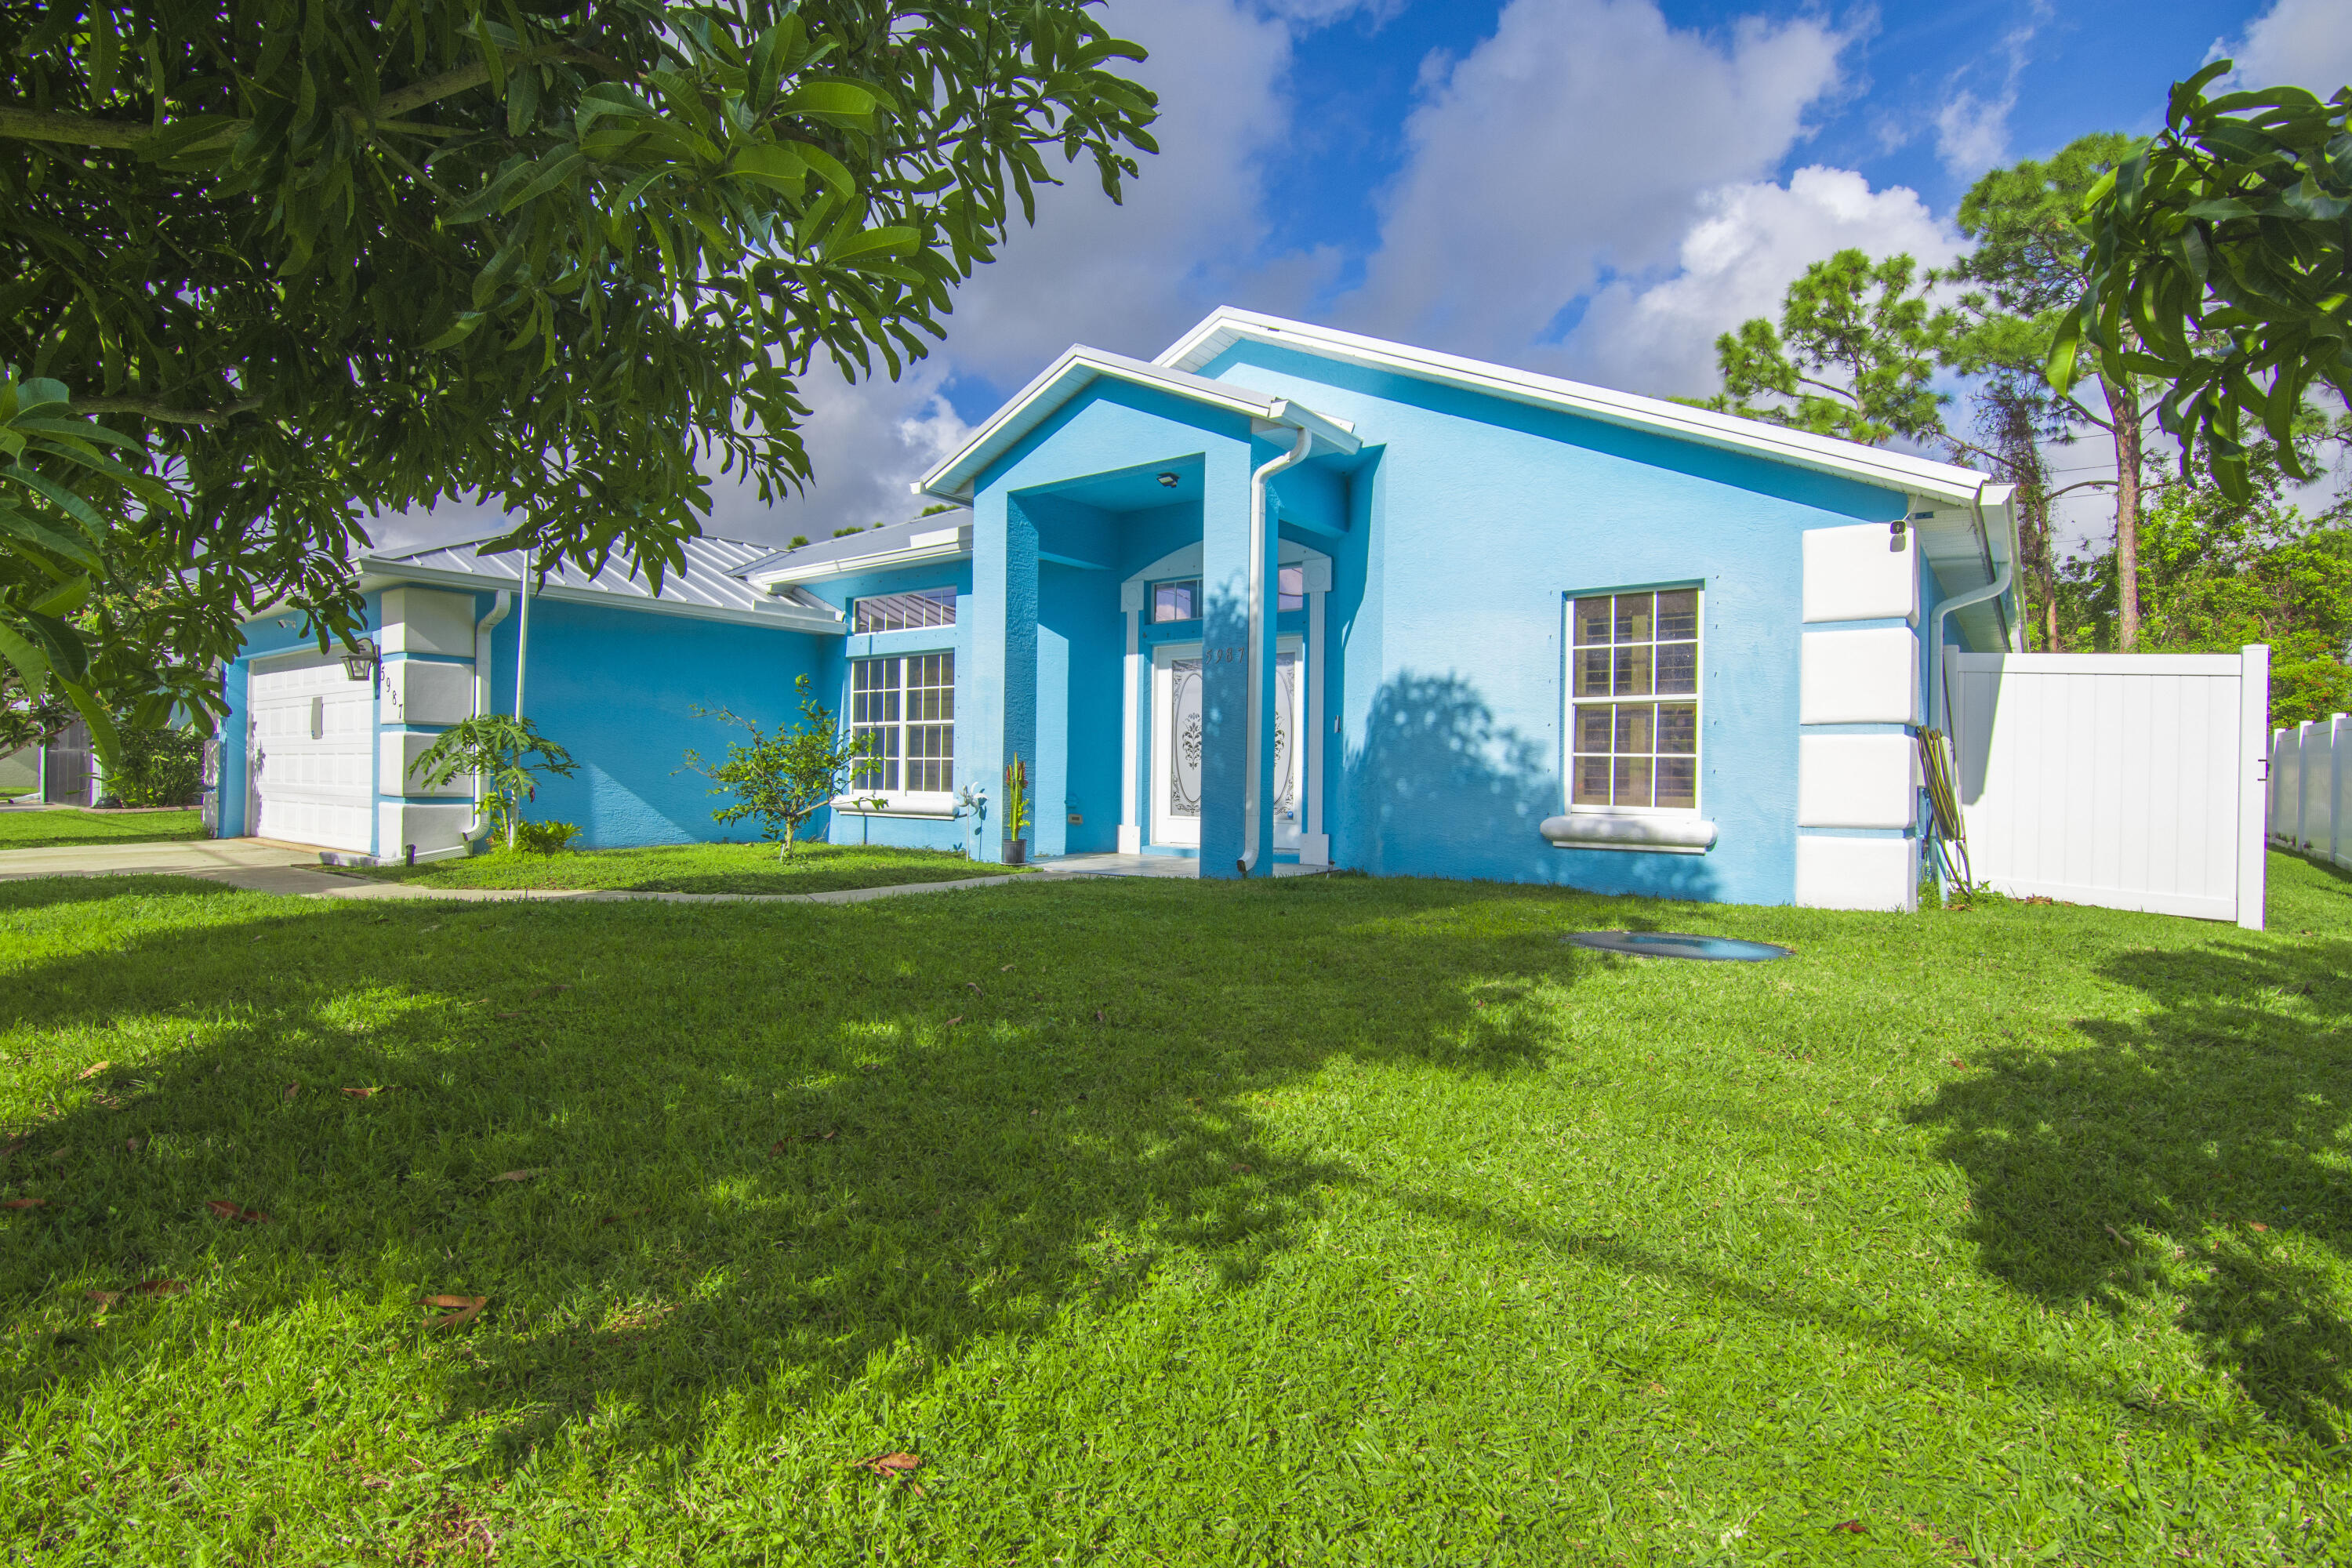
x: 1570, y: 703
x: 916, y: 803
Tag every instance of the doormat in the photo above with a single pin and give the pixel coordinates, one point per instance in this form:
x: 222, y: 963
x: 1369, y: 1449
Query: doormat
x: 1671, y: 944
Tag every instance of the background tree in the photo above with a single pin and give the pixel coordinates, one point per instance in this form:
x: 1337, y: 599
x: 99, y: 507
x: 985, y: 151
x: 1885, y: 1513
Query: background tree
x: 1852, y: 356
x: 2221, y: 262
x: 330, y: 259
x: 2030, y: 266
x: 2217, y: 571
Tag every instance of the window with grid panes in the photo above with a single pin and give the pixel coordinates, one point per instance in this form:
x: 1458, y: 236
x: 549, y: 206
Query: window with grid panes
x: 906, y: 706
x: 1633, y: 700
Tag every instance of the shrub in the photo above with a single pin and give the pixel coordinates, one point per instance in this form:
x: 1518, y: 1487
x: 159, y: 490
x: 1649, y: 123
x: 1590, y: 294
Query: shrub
x: 158, y: 767
x: 508, y: 753
x: 545, y: 837
x: 784, y: 776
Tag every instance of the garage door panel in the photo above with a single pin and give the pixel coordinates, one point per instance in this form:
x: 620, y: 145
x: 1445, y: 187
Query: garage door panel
x: 313, y: 744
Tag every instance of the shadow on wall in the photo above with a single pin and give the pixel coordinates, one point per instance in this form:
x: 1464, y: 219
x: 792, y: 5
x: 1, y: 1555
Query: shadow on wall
x: 2189, y: 1162
x: 1439, y: 788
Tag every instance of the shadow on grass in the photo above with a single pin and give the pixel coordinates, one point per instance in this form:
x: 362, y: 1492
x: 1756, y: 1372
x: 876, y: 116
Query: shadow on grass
x: 781, y: 1149
x: 2202, y: 1151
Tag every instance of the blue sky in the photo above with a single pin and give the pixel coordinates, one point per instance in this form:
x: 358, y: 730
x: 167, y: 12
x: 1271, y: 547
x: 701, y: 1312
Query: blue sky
x: 1592, y: 188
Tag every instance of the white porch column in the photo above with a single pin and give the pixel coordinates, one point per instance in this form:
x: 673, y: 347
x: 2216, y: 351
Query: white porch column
x: 1130, y: 832
x: 1314, y: 844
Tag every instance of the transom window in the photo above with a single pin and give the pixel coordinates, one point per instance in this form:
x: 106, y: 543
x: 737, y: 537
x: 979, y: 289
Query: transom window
x: 1176, y: 601
x: 907, y: 707
x: 1633, y: 700
x: 904, y: 612
x: 1290, y: 588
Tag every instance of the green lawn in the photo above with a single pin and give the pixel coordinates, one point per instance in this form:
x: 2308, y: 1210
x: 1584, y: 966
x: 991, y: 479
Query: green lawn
x: 700, y: 869
x: 1320, y: 1220
x: 45, y: 829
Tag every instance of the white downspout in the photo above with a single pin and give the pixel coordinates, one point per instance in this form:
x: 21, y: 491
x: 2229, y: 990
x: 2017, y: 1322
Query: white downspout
x: 1992, y: 590
x: 1258, y: 632
x: 478, y: 829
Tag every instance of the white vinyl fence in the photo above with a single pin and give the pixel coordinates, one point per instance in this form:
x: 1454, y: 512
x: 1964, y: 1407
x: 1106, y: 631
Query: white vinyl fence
x: 2131, y: 780
x: 2311, y: 773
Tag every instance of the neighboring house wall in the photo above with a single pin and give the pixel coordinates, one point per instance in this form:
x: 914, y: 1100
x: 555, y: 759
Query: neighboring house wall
x: 20, y: 770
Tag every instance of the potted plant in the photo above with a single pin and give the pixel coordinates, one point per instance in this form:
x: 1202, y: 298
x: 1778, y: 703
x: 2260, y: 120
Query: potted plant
x: 1016, y: 811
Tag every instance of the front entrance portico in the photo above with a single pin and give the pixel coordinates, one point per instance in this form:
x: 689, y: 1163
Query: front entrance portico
x: 1135, y: 474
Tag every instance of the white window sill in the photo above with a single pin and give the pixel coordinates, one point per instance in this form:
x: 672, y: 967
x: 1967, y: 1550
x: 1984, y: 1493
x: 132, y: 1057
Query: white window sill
x: 1659, y: 833
x: 941, y: 808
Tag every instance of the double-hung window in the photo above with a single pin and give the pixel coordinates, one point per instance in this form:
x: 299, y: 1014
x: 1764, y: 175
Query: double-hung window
x: 904, y: 709
x: 1633, y: 700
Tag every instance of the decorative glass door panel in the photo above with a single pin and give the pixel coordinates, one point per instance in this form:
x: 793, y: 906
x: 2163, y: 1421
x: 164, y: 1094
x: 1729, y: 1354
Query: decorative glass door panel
x: 1177, y: 743
x: 1178, y: 736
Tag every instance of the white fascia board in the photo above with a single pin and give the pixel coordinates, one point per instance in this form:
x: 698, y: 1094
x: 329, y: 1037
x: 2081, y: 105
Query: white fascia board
x: 956, y: 546
x: 1871, y: 465
x: 375, y: 574
x: 1078, y: 368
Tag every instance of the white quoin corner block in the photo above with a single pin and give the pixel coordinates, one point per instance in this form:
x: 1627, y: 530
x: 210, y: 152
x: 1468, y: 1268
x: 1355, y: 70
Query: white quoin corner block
x: 417, y: 692
x: 1857, y: 781
x: 1859, y: 678
x: 397, y: 757
x: 428, y: 620
x: 399, y: 824
x: 1862, y: 573
x: 1857, y: 873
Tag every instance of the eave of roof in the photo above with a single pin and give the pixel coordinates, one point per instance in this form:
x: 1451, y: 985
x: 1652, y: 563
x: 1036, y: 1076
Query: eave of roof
x: 1078, y: 368
x: 943, y: 538
x: 1872, y: 465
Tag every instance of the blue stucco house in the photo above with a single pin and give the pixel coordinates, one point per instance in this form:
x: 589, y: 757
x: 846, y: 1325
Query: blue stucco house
x: 1282, y: 594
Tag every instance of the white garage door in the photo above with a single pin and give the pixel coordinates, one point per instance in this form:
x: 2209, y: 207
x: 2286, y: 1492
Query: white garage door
x: 313, y: 754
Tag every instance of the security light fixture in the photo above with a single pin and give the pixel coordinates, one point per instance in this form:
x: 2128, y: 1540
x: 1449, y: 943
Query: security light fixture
x: 1168, y: 480
x: 359, y: 663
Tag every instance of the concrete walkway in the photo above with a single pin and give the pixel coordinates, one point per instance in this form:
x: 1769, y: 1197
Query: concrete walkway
x: 266, y: 866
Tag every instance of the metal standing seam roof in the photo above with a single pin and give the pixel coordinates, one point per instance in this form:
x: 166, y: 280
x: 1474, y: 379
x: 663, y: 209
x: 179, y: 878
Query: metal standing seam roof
x: 711, y: 587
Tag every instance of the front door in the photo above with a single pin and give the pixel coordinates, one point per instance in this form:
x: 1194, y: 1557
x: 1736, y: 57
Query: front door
x: 1178, y: 736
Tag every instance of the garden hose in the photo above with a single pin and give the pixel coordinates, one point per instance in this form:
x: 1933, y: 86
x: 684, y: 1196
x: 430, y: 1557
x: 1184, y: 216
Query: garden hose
x: 1944, y: 794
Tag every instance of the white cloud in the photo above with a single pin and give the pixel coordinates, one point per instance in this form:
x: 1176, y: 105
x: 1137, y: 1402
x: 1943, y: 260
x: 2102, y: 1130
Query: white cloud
x: 1131, y: 278
x: 1972, y: 132
x: 2297, y: 42
x: 1580, y: 140
x: 1972, y: 129
x: 1737, y: 262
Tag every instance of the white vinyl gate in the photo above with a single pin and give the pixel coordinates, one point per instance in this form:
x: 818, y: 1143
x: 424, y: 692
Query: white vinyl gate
x: 312, y: 753
x: 2132, y: 781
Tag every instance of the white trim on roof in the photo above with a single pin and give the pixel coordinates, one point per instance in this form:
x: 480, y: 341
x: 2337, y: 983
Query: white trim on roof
x: 1873, y: 464
x: 1078, y: 368
x: 939, y: 544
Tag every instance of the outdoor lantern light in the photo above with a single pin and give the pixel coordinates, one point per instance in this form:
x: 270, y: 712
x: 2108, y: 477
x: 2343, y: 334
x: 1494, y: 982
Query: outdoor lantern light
x: 1168, y: 480
x: 360, y: 662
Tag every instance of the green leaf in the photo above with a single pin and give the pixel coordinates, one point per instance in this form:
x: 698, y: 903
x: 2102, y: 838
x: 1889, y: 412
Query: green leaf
x: 103, y: 738
x: 31, y: 666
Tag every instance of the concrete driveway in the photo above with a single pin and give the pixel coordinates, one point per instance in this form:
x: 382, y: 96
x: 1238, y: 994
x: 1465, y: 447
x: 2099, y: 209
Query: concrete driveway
x: 188, y: 856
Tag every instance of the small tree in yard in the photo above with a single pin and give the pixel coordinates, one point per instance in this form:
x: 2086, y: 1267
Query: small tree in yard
x: 507, y: 752
x: 782, y: 776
